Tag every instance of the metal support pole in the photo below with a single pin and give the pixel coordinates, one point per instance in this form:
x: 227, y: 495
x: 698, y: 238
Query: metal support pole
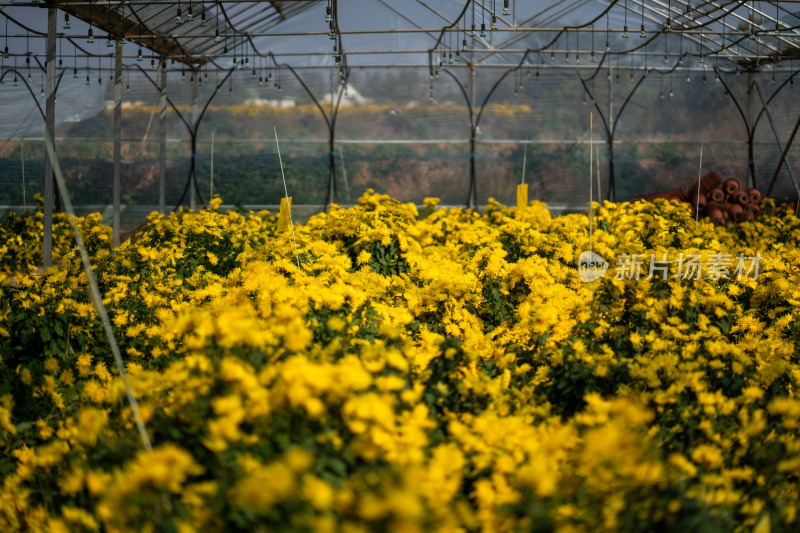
x: 332, y: 196
x: 332, y: 193
x: 777, y: 138
x: 472, y: 201
x: 751, y: 166
x: 162, y: 149
x: 50, y: 112
x: 749, y: 123
x: 783, y: 156
x: 344, y: 175
x: 612, y: 185
x: 193, y: 177
x: 211, y: 177
x: 22, y: 160
x: 472, y: 197
x: 751, y: 163
x: 117, y: 138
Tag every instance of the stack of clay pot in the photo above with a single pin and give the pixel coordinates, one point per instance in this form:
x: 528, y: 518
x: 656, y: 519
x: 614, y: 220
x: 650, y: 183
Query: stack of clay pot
x: 725, y: 202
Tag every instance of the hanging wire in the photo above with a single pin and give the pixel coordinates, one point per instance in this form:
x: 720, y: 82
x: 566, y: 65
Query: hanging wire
x: 473, y: 20
x: 458, y: 49
x: 67, y: 24
x: 702, y: 60
x: 625, y: 30
x: 90, y: 40
x: 483, y: 21
x: 668, y: 25
x: 28, y: 54
x: 331, y: 22
x: 109, y: 44
x: 122, y: 25
x: 217, y: 38
x: 642, y: 35
x: 446, y: 46
x: 516, y: 79
x: 671, y: 94
x: 234, y: 49
x: 453, y: 44
x: 777, y: 18
x: 152, y: 47
x: 630, y: 79
x: 716, y: 56
x: 450, y: 46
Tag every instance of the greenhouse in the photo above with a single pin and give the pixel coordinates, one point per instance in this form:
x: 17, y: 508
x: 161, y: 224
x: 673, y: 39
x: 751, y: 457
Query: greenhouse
x: 372, y: 265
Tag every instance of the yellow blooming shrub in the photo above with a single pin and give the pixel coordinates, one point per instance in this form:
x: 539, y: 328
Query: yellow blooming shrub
x: 441, y: 369
x: 22, y: 236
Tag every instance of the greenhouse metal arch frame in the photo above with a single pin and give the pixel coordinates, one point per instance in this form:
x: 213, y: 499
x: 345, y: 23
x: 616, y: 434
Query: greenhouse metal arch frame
x: 751, y: 45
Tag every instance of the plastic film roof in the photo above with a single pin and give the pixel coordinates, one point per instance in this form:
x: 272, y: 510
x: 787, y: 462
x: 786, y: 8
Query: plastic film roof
x: 380, y: 32
x: 571, y: 35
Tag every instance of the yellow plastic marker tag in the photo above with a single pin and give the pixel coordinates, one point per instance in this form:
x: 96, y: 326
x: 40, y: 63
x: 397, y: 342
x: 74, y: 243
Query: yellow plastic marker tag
x: 283, y: 215
x: 522, y: 196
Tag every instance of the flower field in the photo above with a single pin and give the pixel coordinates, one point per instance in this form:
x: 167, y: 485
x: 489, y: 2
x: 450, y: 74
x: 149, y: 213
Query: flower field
x: 440, y: 370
